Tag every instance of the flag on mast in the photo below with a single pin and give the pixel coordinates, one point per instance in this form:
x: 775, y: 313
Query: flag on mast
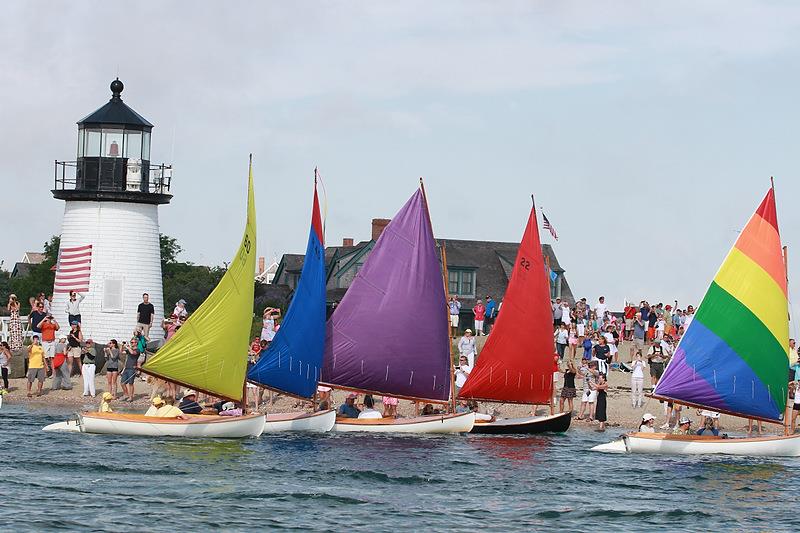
x: 549, y: 226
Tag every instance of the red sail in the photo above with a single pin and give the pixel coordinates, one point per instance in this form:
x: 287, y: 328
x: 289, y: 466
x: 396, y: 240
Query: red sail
x: 516, y: 364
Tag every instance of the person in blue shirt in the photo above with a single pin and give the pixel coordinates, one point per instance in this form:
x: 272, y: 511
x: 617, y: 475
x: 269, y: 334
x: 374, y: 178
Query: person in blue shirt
x: 491, y: 312
x: 587, y: 348
x: 189, y: 404
x: 348, y: 409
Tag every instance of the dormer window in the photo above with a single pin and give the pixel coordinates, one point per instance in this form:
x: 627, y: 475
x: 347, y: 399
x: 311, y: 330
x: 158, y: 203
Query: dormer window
x: 461, y: 282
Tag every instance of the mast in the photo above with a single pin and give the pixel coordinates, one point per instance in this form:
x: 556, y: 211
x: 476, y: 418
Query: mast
x: 787, y: 413
x: 446, y: 299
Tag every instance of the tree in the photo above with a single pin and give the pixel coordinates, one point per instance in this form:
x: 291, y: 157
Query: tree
x: 169, y: 250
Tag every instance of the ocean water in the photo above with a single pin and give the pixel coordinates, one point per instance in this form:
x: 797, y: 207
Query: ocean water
x: 67, y: 481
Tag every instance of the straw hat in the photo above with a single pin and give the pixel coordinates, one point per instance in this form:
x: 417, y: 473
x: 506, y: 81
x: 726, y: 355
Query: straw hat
x: 107, y: 396
x: 648, y: 417
x: 157, y: 401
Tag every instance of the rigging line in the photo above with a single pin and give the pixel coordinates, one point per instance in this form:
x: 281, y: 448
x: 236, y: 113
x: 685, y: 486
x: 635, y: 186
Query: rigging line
x: 318, y: 176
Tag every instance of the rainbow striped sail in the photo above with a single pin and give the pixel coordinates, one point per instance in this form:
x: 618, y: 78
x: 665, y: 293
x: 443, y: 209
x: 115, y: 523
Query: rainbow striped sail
x: 734, y: 356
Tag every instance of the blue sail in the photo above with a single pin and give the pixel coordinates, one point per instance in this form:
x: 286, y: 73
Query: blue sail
x: 293, y: 360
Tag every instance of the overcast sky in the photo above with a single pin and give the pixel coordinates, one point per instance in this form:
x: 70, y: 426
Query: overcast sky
x: 647, y: 130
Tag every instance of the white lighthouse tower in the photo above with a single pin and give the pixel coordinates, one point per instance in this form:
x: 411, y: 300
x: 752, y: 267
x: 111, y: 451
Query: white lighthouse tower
x: 110, y: 249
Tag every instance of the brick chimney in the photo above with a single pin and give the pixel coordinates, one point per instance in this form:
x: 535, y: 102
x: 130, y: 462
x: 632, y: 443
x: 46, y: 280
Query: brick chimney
x: 262, y: 264
x: 378, y: 225
x: 347, y: 241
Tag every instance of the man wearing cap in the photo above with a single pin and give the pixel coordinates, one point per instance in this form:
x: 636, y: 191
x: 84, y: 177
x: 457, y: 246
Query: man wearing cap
x: 348, y: 409
x: 323, y: 398
x: 683, y: 426
x: 466, y: 346
x: 189, y: 403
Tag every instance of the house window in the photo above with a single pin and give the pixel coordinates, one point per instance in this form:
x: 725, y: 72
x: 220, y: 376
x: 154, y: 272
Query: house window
x: 461, y: 283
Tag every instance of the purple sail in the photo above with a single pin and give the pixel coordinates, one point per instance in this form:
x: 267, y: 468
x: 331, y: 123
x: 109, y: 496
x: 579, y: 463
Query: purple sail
x: 389, y: 335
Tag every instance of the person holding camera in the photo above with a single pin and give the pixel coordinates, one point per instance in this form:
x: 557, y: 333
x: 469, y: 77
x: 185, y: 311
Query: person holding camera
x: 36, y: 370
x: 128, y: 377
x: 74, y: 343
x: 88, y: 368
x: 48, y: 326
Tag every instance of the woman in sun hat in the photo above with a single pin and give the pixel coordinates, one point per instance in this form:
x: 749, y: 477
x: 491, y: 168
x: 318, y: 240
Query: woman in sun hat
x: 105, y: 404
x: 648, y: 421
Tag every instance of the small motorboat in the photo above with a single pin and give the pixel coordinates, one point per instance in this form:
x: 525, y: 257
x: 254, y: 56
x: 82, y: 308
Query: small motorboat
x: 557, y: 423
x: 448, y: 423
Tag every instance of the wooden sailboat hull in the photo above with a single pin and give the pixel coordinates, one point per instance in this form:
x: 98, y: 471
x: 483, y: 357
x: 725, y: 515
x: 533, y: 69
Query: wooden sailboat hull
x: 197, y: 426
x: 660, y: 443
x: 525, y: 426
x: 317, y: 422
x: 454, y: 423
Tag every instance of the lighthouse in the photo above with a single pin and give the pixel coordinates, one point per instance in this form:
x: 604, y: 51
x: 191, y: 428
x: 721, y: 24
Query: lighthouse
x: 110, y: 251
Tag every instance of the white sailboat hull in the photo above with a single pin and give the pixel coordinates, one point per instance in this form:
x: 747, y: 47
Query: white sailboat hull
x: 318, y: 422
x: 229, y: 427
x: 660, y: 443
x: 454, y: 423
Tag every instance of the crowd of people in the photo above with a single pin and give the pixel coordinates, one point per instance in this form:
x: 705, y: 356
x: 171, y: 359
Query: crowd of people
x: 586, y: 342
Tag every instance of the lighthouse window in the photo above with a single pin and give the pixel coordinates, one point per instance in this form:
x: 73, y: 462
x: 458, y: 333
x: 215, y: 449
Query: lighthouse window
x: 112, y: 143
x: 112, y: 295
x: 92, y: 143
x: 146, y: 146
x: 81, y: 141
x: 133, y: 145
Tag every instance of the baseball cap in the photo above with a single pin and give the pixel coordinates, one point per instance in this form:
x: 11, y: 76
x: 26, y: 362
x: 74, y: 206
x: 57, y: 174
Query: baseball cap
x: 684, y: 420
x: 323, y: 388
x: 352, y: 396
x: 648, y: 417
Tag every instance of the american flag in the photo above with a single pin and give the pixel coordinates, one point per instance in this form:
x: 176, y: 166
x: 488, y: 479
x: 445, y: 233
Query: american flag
x: 549, y: 226
x: 72, y: 271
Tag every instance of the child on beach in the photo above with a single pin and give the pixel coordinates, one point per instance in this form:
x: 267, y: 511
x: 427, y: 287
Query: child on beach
x: 587, y: 348
x: 573, y: 339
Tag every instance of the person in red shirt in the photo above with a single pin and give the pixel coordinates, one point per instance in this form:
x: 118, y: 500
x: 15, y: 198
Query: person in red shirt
x: 630, y: 314
x: 48, y: 327
x: 480, y: 315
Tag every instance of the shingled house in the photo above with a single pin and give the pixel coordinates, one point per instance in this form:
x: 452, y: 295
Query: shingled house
x: 476, y: 269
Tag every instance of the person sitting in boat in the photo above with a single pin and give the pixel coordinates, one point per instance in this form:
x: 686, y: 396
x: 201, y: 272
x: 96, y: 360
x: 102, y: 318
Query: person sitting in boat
x: 369, y: 410
x: 168, y: 410
x: 473, y: 406
x: 230, y: 409
x: 156, y: 404
x: 105, y: 405
x: 462, y: 372
x: 348, y: 409
x: 323, y: 398
x: 648, y: 421
x: 189, y: 404
x: 427, y: 410
x: 710, y: 422
x: 463, y: 407
x: 683, y: 426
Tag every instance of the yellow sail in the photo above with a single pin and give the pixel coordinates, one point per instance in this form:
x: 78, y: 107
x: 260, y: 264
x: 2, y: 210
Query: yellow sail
x: 209, y: 352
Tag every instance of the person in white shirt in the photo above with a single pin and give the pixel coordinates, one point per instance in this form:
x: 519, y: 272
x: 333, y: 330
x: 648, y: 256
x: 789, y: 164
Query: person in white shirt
x: 466, y: 347
x: 462, y: 372
x: 600, y: 309
x: 369, y: 410
x: 648, y: 421
x: 637, y: 381
x: 74, y: 307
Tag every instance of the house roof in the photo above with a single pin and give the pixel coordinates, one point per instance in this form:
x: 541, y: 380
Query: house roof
x: 34, y: 258
x: 21, y: 270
